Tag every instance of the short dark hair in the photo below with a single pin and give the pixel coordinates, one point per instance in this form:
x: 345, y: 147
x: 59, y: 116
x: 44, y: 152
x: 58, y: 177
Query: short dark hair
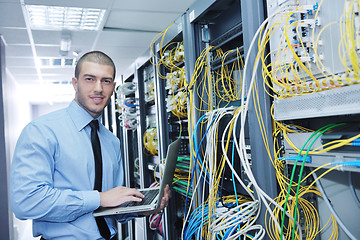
x: 95, y: 57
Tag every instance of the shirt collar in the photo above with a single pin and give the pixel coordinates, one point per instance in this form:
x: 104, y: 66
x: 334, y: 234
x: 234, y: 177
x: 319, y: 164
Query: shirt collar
x: 79, y: 116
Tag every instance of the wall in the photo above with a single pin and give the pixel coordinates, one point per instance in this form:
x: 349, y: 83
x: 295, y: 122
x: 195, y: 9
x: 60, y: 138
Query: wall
x: 44, y: 108
x: 17, y: 115
x: 5, y: 219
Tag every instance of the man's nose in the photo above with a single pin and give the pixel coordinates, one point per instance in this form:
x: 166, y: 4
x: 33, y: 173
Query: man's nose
x: 98, y: 86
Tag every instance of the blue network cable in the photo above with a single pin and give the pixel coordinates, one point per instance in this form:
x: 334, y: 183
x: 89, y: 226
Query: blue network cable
x: 195, y: 160
x: 195, y: 221
x: 230, y: 231
x: 232, y: 162
x: 128, y: 104
x: 355, y: 163
x: 195, y: 143
x: 157, y: 226
x: 192, y: 228
x: 206, y: 177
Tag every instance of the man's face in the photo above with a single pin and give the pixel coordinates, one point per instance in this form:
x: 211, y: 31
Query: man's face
x: 94, y: 87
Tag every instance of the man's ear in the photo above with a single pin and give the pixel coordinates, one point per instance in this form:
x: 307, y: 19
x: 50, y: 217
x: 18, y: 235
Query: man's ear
x: 114, y: 88
x: 74, y: 83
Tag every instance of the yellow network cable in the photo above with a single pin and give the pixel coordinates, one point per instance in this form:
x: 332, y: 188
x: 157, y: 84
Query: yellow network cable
x: 150, y: 141
x: 226, y: 86
x: 191, y: 88
x: 293, y: 85
x: 154, y: 40
x: 310, y: 214
x: 349, y: 41
x: 309, y: 221
x: 279, y: 176
x: 303, y: 81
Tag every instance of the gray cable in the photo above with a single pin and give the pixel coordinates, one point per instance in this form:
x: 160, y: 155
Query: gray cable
x: 353, y: 191
x: 332, y: 210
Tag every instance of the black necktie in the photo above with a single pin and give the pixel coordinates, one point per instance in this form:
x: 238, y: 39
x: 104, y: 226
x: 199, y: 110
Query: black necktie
x: 100, y: 221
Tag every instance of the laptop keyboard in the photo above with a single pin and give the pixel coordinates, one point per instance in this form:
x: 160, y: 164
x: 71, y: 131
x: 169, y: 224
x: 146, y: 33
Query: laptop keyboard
x: 150, y: 195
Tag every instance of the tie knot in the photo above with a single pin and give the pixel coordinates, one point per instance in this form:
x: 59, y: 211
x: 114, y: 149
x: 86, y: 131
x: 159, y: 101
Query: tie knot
x: 94, y: 124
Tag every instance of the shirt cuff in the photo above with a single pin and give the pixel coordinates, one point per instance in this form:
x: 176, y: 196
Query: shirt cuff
x: 123, y: 218
x: 91, y: 200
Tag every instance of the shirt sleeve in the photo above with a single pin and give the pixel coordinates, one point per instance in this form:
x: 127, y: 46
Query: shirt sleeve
x: 123, y: 218
x: 32, y: 192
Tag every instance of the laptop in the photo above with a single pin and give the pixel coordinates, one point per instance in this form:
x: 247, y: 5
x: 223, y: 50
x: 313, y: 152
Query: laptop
x: 153, y: 195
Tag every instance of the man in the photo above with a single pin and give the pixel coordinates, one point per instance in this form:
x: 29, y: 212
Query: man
x: 53, y: 177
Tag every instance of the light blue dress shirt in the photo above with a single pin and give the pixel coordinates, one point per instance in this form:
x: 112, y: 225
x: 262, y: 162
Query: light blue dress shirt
x: 52, y: 175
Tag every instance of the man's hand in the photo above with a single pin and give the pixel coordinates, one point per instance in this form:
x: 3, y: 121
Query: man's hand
x: 116, y: 196
x: 164, y: 202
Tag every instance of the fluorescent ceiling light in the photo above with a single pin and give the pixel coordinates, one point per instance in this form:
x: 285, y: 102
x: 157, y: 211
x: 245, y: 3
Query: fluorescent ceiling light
x: 57, y: 18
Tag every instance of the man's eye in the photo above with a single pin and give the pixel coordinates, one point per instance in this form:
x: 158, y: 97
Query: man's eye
x: 88, y: 79
x: 107, y: 81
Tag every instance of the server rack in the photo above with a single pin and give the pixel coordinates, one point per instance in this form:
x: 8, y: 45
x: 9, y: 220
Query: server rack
x: 253, y: 15
x: 172, y: 116
x: 232, y: 25
x: 141, y: 141
x: 128, y: 138
x: 201, y: 26
x: 326, y: 100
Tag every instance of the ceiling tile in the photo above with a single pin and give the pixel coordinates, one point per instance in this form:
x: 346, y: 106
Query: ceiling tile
x: 140, y: 20
x: 54, y: 51
x: 15, y: 35
x: 81, y: 49
x: 11, y: 15
x: 84, y: 38
x: 9, y: 1
x: 171, y: 6
x: 18, y: 51
x: 51, y: 38
x: 19, y: 62
x: 47, y: 51
x: 125, y: 38
x: 23, y: 72
x: 46, y: 37
x: 70, y: 3
x: 121, y: 52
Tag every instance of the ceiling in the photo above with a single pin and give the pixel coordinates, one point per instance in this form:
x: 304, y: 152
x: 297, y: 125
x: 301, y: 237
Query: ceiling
x: 125, y: 33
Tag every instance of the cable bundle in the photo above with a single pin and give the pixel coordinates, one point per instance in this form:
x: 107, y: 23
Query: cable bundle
x: 167, y: 58
x: 297, y: 67
x: 174, y: 56
x: 126, y: 88
x: 228, y: 78
x: 175, y: 77
x: 293, y: 72
x: 176, y: 100
x: 126, y: 106
x: 177, y: 104
x: 149, y: 91
x: 293, y: 195
x: 150, y: 140
x: 175, y: 80
x: 155, y: 220
x: 239, y: 220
